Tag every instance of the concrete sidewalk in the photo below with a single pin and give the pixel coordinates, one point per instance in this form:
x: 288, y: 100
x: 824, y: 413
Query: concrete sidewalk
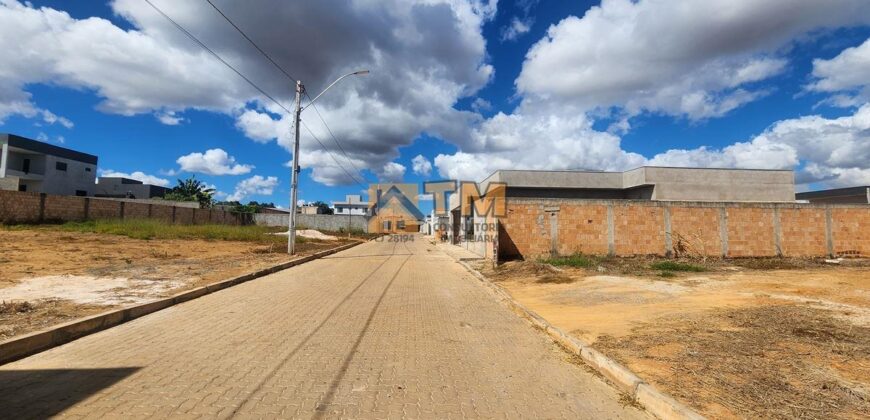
x: 381, y: 330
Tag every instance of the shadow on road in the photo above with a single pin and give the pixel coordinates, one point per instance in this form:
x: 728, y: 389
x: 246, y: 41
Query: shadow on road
x: 45, y: 393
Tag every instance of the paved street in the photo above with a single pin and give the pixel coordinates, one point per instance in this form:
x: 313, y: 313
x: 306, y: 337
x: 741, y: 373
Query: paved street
x: 383, y: 330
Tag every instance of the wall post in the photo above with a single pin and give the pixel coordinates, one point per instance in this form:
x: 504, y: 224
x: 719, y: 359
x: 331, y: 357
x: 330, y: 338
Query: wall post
x: 669, y: 241
x: 554, y: 229
x: 41, y: 216
x: 829, y: 231
x: 723, y: 230
x: 777, y: 232
x: 87, y: 207
x: 611, y: 234
x: 121, y: 209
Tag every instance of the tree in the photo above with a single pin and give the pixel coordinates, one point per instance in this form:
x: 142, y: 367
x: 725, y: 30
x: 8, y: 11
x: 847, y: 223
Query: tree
x: 251, y: 207
x: 192, y: 189
x: 324, y: 208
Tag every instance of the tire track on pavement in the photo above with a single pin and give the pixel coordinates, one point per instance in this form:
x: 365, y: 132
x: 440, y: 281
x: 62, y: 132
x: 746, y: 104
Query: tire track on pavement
x: 308, y: 337
x: 320, y: 411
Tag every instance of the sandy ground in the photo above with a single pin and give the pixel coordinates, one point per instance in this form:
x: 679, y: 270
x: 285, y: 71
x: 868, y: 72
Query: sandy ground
x: 312, y: 234
x: 732, y: 343
x: 65, y: 275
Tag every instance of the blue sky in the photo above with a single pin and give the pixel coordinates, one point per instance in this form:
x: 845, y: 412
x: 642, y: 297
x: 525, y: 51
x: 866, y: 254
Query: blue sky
x: 465, y: 88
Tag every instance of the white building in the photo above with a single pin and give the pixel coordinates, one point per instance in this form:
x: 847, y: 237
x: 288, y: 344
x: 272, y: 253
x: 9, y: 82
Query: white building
x: 353, y: 204
x: 34, y: 166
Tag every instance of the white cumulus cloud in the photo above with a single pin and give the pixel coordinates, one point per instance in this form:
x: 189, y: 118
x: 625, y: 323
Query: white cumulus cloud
x: 421, y: 166
x: 212, y: 162
x: 255, y: 185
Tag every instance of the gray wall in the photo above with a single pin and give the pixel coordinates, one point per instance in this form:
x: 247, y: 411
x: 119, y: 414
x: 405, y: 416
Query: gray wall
x: 329, y: 222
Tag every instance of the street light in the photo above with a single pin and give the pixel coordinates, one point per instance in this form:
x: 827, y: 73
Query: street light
x: 294, y: 171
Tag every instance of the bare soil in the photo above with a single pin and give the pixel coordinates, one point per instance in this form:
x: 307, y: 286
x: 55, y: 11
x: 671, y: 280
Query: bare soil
x: 63, y: 276
x: 739, y: 341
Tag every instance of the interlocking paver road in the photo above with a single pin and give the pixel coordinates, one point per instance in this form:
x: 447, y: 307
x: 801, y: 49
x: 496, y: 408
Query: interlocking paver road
x: 383, y: 330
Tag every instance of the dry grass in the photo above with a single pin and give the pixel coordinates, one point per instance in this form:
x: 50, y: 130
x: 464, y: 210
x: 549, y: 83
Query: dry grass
x: 771, y: 361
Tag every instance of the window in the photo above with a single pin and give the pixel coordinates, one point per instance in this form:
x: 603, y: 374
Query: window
x: 400, y: 225
x: 87, y: 169
x: 22, y: 187
x: 81, y: 193
x: 60, y: 166
x: 25, y: 166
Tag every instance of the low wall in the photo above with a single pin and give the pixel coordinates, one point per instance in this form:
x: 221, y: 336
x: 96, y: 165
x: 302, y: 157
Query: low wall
x: 331, y: 222
x: 29, y: 207
x: 535, y: 228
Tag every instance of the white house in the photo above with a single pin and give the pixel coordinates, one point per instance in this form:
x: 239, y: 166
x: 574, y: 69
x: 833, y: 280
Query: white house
x: 34, y: 166
x: 353, y: 204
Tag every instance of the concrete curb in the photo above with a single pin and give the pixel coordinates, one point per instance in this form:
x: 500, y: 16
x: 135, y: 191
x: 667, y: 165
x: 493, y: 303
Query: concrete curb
x: 655, y: 402
x: 35, y: 342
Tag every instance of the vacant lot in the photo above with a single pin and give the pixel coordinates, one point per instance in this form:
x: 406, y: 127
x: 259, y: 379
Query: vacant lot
x: 733, y: 341
x: 53, y: 274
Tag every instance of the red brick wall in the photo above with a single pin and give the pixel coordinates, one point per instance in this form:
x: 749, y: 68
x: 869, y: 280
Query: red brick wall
x: 64, y: 208
x: 104, y: 209
x: 851, y: 230
x: 803, y: 231
x: 639, y: 229
x: 696, y: 229
x: 524, y: 231
x: 583, y: 229
x: 19, y: 207
x: 750, y: 232
x: 24, y: 207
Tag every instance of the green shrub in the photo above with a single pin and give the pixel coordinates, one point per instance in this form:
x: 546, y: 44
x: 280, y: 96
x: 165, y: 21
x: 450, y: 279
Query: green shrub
x: 155, y: 229
x: 576, y: 260
x: 677, y: 266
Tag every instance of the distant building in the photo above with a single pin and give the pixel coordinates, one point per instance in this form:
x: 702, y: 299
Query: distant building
x: 650, y: 183
x: 852, y: 195
x: 34, y: 166
x: 309, y: 209
x: 118, y: 187
x: 272, y: 210
x: 353, y: 204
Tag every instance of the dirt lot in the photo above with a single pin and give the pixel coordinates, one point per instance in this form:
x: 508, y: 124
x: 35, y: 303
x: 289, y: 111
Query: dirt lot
x: 49, y: 276
x: 732, y: 342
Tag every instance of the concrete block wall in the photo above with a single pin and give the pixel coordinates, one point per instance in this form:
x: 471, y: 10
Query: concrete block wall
x: 63, y: 208
x: 330, y: 222
x: 102, y: 209
x: 136, y: 210
x: 535, y: 228
x: 29, y: 207
x: 20, y: 207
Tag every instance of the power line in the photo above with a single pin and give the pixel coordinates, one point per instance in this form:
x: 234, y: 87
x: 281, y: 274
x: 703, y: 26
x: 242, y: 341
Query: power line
x: 337, y: 143
x: 293, y: 79
x: 227, y: 18
x: 192, y: 37
x: 249, y: 81
x: 333, y: 156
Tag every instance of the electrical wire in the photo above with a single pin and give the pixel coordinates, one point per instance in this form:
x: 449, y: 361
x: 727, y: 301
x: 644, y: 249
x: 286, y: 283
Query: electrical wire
x: 293, y: 79
x: 333, y: 156
x: 246, y: 79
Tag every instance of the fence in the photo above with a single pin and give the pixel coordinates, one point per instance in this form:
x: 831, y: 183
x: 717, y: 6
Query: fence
x: 28, y: 207
x: 540, y: 227
x: 330, y: 222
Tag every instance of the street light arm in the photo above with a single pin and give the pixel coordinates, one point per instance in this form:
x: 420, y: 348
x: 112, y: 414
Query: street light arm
x: 356, y: 73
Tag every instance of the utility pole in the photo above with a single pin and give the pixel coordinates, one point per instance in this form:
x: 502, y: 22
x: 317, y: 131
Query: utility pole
x: 300, y: 90
x: 294, y: 172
